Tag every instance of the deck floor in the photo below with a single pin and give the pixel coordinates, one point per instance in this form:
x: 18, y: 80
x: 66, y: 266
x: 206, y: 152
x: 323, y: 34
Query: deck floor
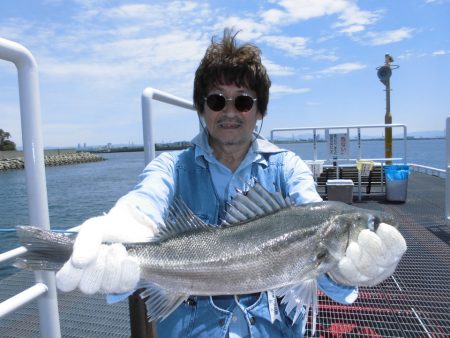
x: 415, y: 302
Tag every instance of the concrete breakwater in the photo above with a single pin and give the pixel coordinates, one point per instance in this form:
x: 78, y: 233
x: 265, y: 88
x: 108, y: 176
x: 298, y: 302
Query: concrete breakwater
x: 52, y: 160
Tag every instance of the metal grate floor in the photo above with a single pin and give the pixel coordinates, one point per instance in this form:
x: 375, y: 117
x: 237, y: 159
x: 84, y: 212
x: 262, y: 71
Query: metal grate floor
x: 415, y: 302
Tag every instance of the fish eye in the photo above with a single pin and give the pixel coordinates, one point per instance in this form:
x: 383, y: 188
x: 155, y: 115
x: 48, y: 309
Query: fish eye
x: 321, y: 255
x: 373, y: 222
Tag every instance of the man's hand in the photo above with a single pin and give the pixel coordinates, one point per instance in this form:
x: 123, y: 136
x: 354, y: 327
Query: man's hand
x: 98, y: 267
x: 371, y: 259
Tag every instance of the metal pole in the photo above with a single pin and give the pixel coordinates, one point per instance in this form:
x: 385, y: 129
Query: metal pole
x: 388, y: 120
x: 447, y: 180
x: 33, y: 151
x: 384, y: 74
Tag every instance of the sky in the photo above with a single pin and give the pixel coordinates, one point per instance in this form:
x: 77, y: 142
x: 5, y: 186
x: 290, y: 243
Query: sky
x: 95, y: 58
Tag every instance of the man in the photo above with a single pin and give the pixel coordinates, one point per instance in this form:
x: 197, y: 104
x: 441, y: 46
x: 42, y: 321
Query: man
x: 231, y: 92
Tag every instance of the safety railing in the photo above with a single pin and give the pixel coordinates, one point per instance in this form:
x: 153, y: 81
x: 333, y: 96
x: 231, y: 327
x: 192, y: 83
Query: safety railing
x: 338, y: 140
x: 358, y: 128
x: 447, y: 181
x: 428, y: 170
x: 148, y: 95
x: 44, y: 290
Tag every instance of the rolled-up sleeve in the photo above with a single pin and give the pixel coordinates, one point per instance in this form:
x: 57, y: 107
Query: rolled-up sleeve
x: 299, y: 180
x: 340, y: 293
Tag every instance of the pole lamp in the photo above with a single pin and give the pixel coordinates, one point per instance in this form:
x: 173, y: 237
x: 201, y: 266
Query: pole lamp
x: 384, y: 74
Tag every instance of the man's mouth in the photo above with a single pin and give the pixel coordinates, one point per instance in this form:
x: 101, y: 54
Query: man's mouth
x: 229, y: 124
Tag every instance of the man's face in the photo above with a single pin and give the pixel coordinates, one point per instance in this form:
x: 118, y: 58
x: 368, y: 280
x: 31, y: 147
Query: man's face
x: 229, y: 126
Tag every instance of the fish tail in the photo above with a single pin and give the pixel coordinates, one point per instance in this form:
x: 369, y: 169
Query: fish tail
x: 46, y: 250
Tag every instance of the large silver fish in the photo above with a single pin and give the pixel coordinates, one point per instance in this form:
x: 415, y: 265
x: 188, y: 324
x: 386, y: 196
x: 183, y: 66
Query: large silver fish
x: 265, y: 244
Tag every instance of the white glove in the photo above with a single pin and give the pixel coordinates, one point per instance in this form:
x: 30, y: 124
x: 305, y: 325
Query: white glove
x: 96, y: 267
x: 371, y: 259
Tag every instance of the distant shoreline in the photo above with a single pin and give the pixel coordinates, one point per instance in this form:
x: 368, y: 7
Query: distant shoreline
x: 18, y: 154
x: 171, y: 146
x: 14, y: 159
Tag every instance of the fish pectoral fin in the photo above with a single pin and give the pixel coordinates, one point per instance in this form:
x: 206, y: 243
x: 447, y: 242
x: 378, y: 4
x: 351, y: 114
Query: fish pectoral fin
x: 159, y: 302
x: 300, y: 297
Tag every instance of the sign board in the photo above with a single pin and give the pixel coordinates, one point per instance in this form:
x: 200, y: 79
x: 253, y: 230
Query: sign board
x: 338, y: 144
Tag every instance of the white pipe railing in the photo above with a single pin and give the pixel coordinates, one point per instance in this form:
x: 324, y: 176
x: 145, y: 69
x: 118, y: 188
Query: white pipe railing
x: 6, y: 256
x: 427, y: 170
x: 447, y: 181
x: 22, y: 298
x: 148, y: 95
x: 33, y: 151
x: 348, y: 128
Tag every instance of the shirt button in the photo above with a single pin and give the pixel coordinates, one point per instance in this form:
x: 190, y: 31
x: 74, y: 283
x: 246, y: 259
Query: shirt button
x: 252, y: 320
x: 234, y: 319
x: 222, y: 322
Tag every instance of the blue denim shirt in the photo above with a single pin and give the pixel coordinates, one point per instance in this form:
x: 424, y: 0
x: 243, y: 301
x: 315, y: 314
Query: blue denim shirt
x: 205, y: 185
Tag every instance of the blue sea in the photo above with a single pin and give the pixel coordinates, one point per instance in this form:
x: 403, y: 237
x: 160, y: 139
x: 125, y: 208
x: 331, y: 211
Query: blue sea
x: 77, y: 192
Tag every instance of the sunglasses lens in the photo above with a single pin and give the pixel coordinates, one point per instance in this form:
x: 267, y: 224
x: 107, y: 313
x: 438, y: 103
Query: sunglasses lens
x: 216, y: 102
x: 243, y: 103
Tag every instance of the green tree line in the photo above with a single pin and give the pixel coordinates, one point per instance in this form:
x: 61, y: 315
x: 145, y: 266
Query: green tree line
x: 5, y: 143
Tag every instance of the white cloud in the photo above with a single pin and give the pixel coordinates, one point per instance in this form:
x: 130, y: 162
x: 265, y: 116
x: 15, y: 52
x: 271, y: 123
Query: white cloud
x: 248, y: 27
x: 285, y: 90
x: 293, y: 45
x: 387, y: 37
x: 296, y: 46
x: 343, y: 68
x: 276, y: 69
x: 350, y: 17
x: 441, y: 52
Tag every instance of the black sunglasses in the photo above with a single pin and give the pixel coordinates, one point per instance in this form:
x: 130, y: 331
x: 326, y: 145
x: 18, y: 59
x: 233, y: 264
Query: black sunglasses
x: 242, y: 102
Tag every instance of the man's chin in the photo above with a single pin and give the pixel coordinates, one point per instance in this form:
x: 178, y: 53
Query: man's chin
x: 230, y: 141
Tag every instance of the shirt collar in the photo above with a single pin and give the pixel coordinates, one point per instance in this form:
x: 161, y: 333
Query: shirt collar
x: 260, y: 146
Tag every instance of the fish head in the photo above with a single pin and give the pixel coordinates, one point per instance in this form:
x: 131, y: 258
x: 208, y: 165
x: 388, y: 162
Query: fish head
x: 345, y: 228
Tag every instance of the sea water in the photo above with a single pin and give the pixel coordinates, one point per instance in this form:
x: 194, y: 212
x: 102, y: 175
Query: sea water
x: 77, y: 192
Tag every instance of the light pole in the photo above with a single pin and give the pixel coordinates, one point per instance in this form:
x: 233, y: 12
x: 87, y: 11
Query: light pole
x: 384, y: 74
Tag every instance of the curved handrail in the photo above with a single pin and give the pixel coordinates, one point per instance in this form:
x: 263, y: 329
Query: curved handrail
x: 33, y: 151
x: 148, y: 95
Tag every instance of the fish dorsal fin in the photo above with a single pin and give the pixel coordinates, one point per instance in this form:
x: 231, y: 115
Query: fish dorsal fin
x: 159, y: 302
x: 253, y: 203
x: 180, y: 219
x: 299, y: 297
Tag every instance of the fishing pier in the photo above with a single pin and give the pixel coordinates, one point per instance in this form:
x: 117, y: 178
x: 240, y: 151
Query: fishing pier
x: 414, y: 302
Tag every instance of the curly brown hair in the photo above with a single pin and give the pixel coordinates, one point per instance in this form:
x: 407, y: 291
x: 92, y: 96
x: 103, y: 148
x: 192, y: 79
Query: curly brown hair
x: 227, y: 63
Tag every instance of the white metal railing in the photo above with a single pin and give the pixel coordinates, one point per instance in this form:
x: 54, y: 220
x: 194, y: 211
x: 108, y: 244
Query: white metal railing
x: 44, y: 290
x: 358, y: 129
x: 447, y: 181
x: 359, y: 156
x: 427, y: 170
x: 148, y: 95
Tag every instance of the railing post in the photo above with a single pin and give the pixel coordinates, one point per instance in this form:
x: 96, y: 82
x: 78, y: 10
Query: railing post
x: 447, y: 180
x: 33, y: 151
x: 148, y: 95
x: 147, y: 125
x: 138, y: 316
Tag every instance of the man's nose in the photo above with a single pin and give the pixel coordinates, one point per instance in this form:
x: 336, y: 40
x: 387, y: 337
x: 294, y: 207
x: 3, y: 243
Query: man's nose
x: 229, y: 108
